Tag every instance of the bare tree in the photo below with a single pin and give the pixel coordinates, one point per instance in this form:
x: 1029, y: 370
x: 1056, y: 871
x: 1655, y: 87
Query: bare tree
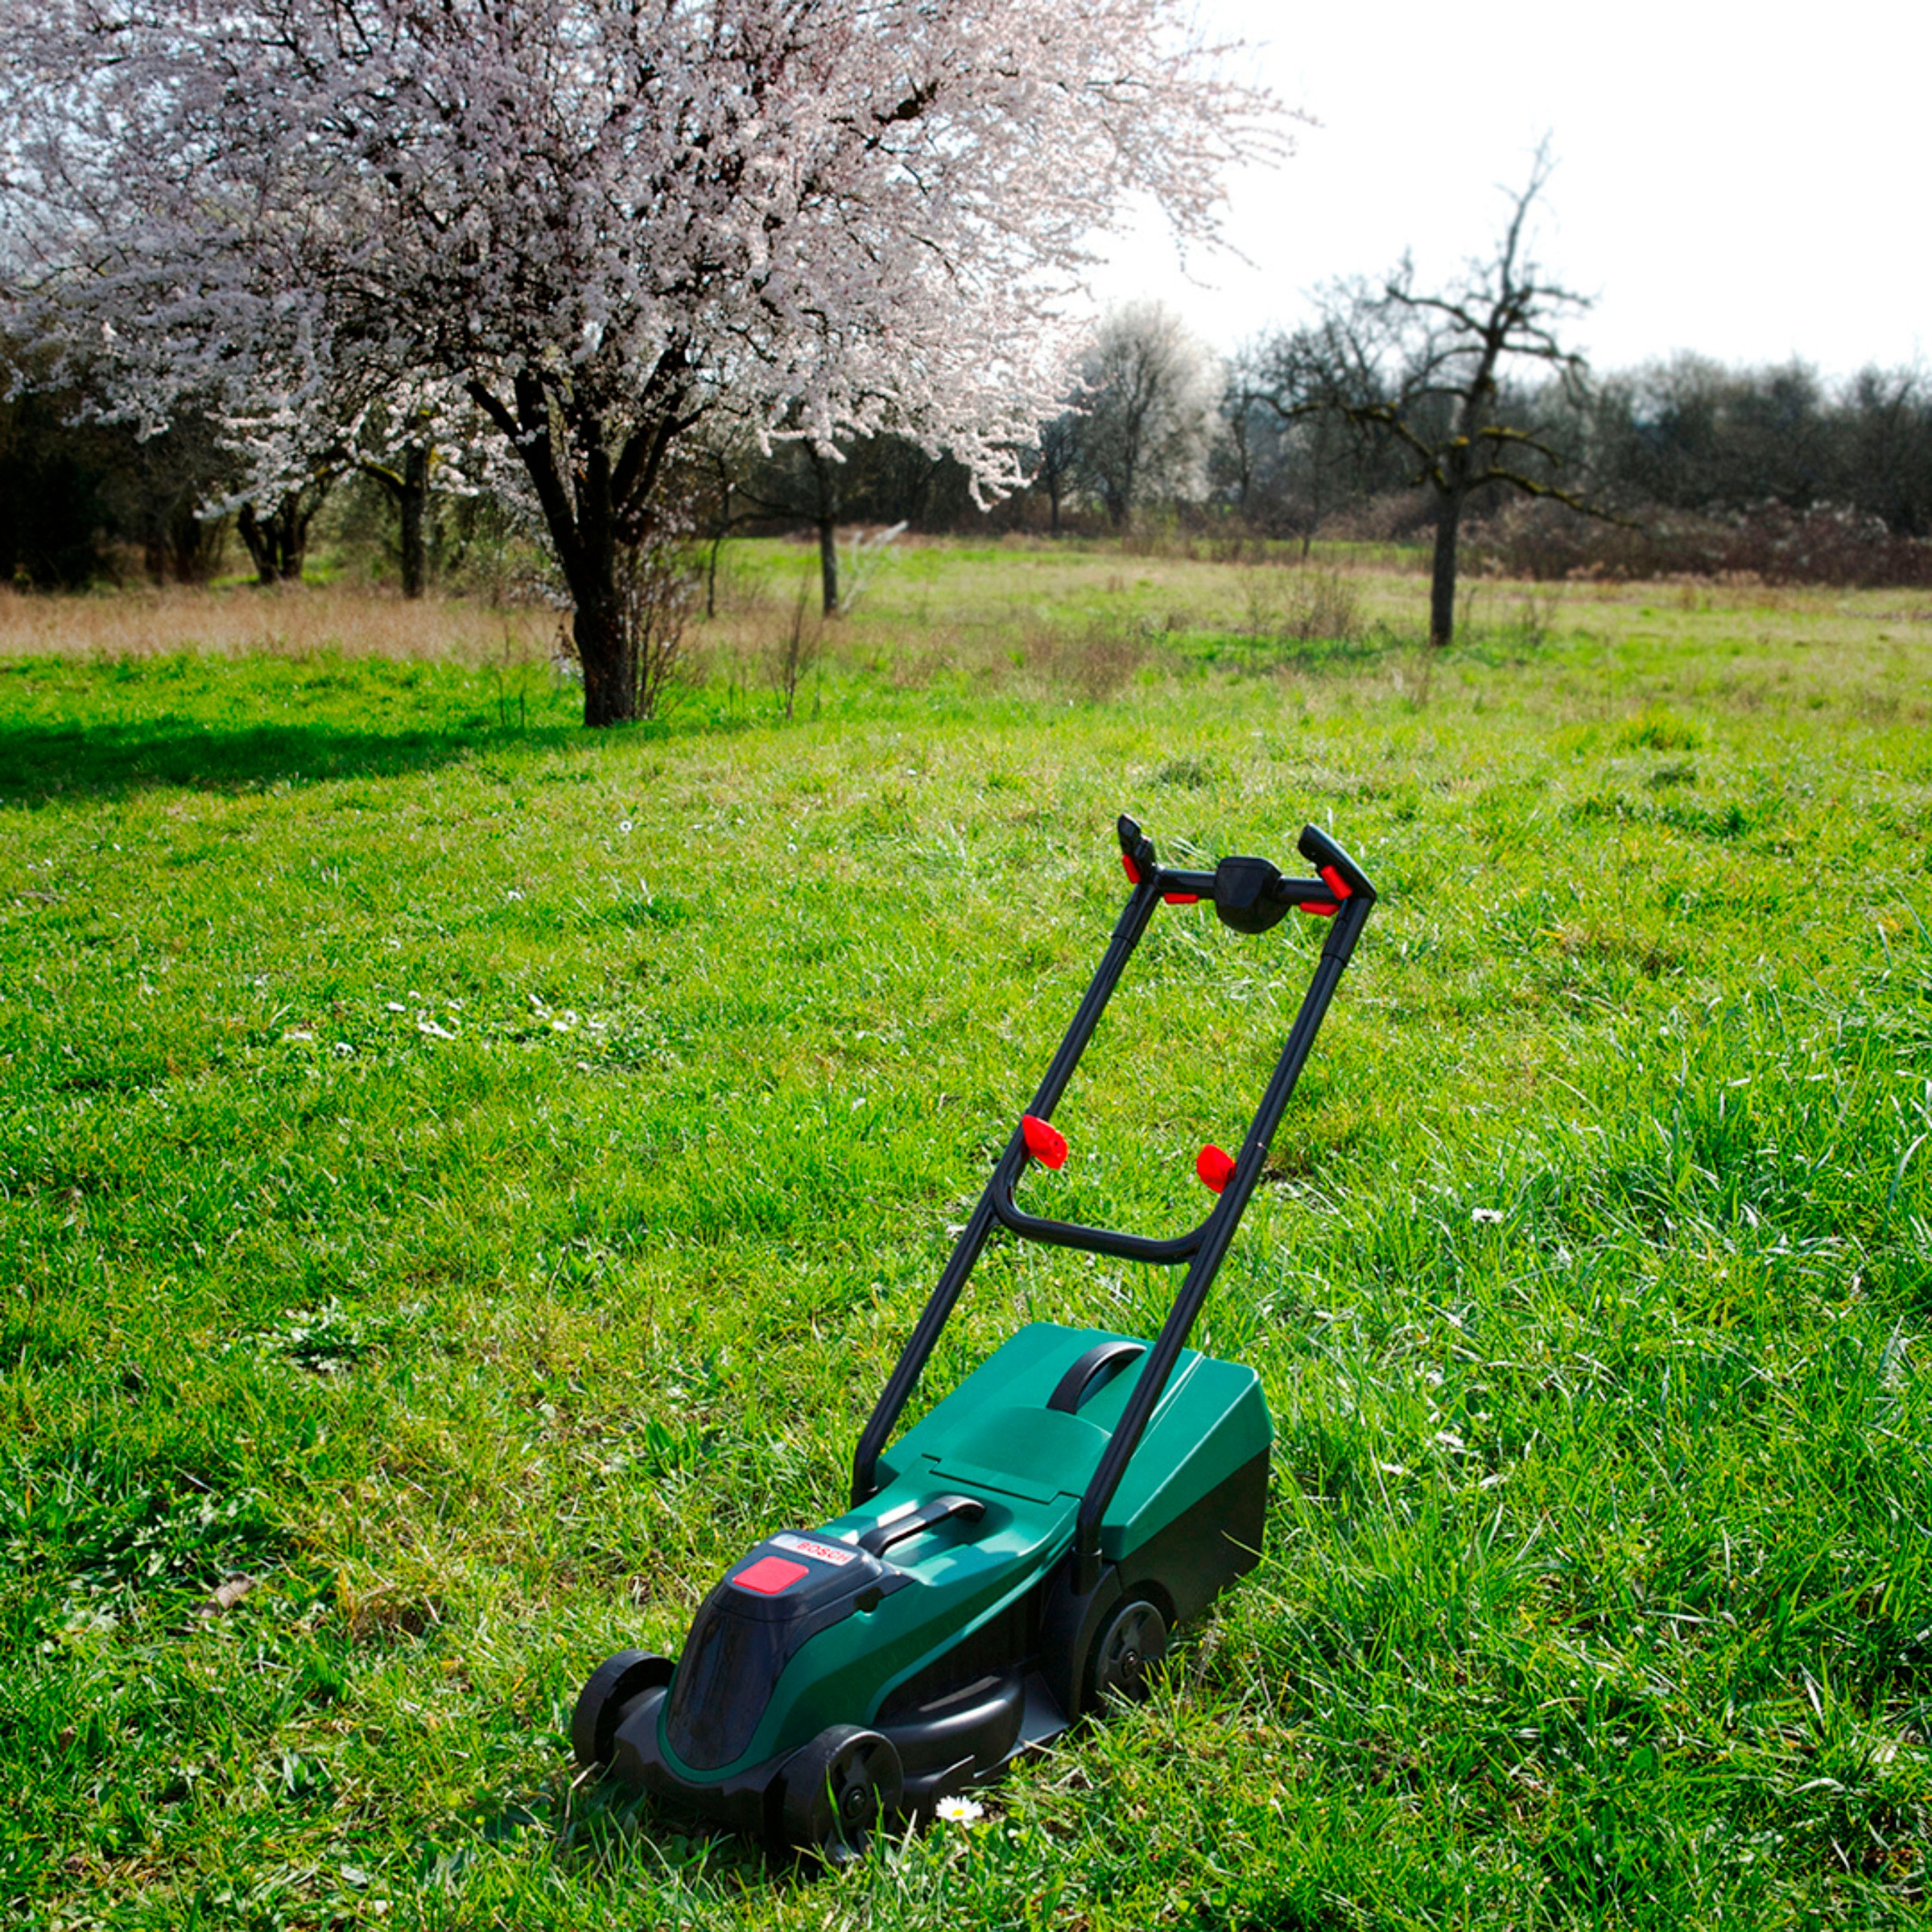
x: 1057, y: 462
x: 1289, y: 462
x: 1428, y: 371
x: 1149, y: 405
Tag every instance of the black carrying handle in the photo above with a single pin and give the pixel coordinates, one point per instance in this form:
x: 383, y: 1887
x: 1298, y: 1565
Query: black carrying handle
x: 1099, y: 1362
x: 882, y: 1537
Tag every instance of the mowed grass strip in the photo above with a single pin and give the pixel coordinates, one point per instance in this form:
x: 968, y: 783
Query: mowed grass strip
x: 464, y: 1179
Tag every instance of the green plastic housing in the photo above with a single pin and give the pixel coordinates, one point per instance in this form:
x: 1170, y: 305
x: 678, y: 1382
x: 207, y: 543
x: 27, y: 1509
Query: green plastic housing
x: 993, y: 1438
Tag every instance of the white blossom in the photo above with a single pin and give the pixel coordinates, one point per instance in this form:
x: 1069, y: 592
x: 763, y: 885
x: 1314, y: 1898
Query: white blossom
x: 595, y: 222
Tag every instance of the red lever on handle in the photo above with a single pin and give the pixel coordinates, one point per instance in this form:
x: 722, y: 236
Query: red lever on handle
x: 1336, y: 883
x: 1044, y: 1141
x: 1216, y: 1167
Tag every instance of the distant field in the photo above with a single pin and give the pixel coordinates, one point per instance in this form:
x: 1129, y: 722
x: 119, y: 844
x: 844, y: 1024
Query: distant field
x: 463, y: 1178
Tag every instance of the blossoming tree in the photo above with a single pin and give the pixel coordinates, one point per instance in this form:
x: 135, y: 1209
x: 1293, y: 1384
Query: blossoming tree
x: 602, y: 220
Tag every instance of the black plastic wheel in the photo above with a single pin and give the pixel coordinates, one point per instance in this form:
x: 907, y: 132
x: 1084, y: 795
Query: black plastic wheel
x: 1127, y: 1653
x: 837, y: 1788
x: 593, y: 1725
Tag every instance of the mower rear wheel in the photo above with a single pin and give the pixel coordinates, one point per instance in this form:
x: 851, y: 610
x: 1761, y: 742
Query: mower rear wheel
x: 837, y: 1788
x: 593, y: 1725
x: 1127, y: 1654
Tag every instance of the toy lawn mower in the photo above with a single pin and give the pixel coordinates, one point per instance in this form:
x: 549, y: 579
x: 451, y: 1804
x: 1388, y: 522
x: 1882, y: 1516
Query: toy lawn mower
x: 1020, y: 1555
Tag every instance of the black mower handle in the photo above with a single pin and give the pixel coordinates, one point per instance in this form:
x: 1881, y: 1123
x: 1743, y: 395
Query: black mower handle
x: 1250, y: 895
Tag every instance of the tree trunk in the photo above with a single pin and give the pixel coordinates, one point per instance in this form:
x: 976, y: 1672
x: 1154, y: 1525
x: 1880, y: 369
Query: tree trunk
x: 718, y: 543
x: 606, y: 650
x: 277, y: 543
x: 600, y: 622
x: 1053, y: 506
x: 828, y: 566
x: 194, y: 544
x: 259, y: 539
x: 412, y: 509
x: 606, y: 646
x: 592, y: 507
x: 826, y: 517
x: 408, y: 488
x: 1442, y: 578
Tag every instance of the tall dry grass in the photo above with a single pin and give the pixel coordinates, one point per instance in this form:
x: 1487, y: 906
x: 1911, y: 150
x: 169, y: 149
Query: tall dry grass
x: 295, y: 620
x: 1084, y: 622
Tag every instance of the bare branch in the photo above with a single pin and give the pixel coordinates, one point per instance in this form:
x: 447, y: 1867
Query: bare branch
x: 1427, y: 370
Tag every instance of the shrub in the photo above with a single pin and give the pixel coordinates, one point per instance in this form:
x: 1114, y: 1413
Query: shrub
x: 1772, y: 543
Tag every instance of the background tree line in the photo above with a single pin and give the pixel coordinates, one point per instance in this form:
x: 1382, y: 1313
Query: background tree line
x: 1710, y: 467
x: 1688, y: 435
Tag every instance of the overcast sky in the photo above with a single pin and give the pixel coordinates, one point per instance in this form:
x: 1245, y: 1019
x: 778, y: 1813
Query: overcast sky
x: 1753, y: 183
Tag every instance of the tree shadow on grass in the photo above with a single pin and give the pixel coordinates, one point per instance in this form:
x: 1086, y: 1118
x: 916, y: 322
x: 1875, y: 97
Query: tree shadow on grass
x: 42, y: 763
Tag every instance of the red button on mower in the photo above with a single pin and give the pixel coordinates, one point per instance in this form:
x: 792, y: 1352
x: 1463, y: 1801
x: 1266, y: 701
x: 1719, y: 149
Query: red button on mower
x: 769, y: 1574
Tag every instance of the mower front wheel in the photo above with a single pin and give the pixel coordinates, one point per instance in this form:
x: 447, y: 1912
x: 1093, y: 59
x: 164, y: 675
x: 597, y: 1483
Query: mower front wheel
x: 837, y: 1790
x: 593, y: 1725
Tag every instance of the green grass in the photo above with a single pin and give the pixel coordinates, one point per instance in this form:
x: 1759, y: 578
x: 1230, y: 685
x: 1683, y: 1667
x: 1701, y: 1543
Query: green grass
x: 462, y: 1179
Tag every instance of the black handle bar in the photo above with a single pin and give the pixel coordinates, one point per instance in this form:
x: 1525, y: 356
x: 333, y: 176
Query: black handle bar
x: 1251, y: 895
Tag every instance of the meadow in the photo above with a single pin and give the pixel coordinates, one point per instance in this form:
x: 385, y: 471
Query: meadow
x: 463, y: 1179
